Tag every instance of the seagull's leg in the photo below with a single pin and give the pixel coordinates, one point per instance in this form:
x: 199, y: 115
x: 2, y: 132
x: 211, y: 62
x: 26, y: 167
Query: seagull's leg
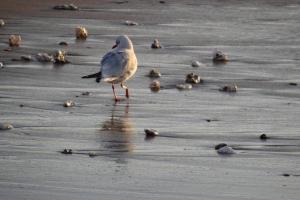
x: 126, y: 88
x: 113, y: 88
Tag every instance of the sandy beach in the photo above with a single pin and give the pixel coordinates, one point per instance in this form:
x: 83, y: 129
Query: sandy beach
x: 111, y: 158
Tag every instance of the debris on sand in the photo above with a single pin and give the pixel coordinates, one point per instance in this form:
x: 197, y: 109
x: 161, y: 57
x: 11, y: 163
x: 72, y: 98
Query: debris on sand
x: 219, y: 56
x: 184, y: 86
x: 92, y: 154
x: 131, y: 23
x: 218, y: 146
x: 293, y: 84
x: 229, y: 88
x: 81, y: 33
x: 85, y: 93
x: 27, y: 58
x: 155, y: 86
x: 44, y: 57
x: 63, y: 43
x: 67, y: 151
x: 192, y: 78
x: 1, y: 65
x: 2, y: 23
x: 224, y: 149
x: 6, y: 126
x: 14, y: 40
x: 196, y: 63
x: 151, y: 132
x: 59, y: 57
x: 162, y: 2
x: 155, y: 44
x: 69, y: 103
x: 263, y: 136
x: 66, y: 7
x: 154, y: 73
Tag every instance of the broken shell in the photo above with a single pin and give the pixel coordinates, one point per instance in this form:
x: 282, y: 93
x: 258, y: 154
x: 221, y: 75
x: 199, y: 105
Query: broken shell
x: 63, y: 43
x: 81, y: 33
x: 92, y: 154
x: 44, y: 57
x: 26, y: 58
x: 192, y: 78
x: 226, y: 150
x: 185, y: 86
x: 155, y: 44
x: 69, y: 103
x: 67, y: 151
x: 155, y: 86
x: 59, y: 57
x: 151, y: 132
x: 2, y: 23
x: 6, y: 126
x: 154, y: 73
x: 218, y: 146
x: 196, y: 63
x: 66, y: 7
x: 229, y: 88
x: 219, y: 56
x: 14, y: 40
x: 131, y: 23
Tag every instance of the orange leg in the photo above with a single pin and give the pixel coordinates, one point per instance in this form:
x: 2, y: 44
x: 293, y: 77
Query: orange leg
x: 126, y: 89
x: 113, y: 88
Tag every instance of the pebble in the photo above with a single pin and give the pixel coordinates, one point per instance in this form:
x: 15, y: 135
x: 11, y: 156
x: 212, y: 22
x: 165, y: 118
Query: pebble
x: 155, y: 44
x: 81, y: 33
x: 69, y: 103
x: 192, y: 78
x: 225, y: 150
x: 26, y: 58
x: 151, y: 132
x: 66, y: 7
x: 219, y: 56
x: 14, y: 40
x: 59, y: 57
x: 154, y: 73
x: 185, y: 86
x: 44, y: 57
x: 229, y: 88
x: 63, y: 43
x: 6, y: 126
x: 2, y: 23
x: 155, y: 86
x: 196, y: 63
x: 131, y: 23
x: 67, y: 151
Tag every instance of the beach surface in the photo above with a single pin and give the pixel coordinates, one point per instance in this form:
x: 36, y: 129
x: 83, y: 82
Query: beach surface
x: 111, y: 158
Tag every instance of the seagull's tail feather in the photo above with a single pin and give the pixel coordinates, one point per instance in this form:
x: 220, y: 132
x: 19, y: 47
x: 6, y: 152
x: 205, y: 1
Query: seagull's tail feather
x: 96, y: 75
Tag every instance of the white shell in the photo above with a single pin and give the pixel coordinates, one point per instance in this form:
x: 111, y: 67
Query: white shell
x: 226, y: 150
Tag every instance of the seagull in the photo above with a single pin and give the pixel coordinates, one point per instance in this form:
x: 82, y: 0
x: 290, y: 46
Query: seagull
x: 118, y: 65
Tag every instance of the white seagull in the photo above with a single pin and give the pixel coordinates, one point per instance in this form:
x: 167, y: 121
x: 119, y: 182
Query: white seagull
x: 118, y: 65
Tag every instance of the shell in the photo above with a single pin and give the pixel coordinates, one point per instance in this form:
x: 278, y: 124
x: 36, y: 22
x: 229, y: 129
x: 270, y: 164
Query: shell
x: 155, y: 44
x: 218, y: 146
x: 219, y: 56
x: 2, y: 23
x: 67, y: 151
x: 185, y: 86
x: 6, y: 126
x: 151, y: 132
x: 155, y: 86
x: 192, y: 78
x: 69, y: 103
x: 81, y: 33
x: 66, y: 7
x: 44, y: 57
x: 154, y: 73
x: 59, y: 57
x: 14, y: 40
x: 226, y: 150
x: 26, y: 58
x: 196, y: 63
x: 229, y: 88
x: 131, y: 23
x: 1, y: 65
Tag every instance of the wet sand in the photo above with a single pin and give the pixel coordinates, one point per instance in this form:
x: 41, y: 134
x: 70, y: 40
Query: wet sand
x: 261, y: 39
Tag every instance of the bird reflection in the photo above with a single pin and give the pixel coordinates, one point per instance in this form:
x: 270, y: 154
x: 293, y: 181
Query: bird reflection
x: 116, y: 133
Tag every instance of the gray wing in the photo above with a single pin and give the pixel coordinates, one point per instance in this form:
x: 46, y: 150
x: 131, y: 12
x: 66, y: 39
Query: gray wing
x: 113, y: 64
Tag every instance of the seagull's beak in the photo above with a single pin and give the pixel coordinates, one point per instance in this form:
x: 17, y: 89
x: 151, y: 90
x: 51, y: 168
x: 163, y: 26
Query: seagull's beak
x: 114, y: 46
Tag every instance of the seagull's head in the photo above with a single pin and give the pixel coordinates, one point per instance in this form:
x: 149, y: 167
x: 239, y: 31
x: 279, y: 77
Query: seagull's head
x: 123, y: 42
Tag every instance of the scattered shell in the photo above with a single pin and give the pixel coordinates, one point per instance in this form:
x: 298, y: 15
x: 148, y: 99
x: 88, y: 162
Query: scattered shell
x: 219, y: 56
x: 81, y: 33
x: 1, y: 65
x: 155, y: 86
x: 2, y: 23
x: 293, y: 84
x: 185, y: 86
x: 14, y: 40
x: 226, y: 150
x: 192, y: 78
x: 131, y: 23
x: 196, y: 63
x: 85, y: 93
x: 63, y: 43
x: 154, y: 73
x: 26, y: 58
x: 218, y: 146
x: 155, y: 44
x: 6, y: 126
x: 66, y: 7
x: 44, y: 57
x: 229, y: 88
x: 59, y: 57
x: 92, y: 154
x: 263, y: 136
x: 151, y: 132
x: 67, y: 151
x: 69, y: 103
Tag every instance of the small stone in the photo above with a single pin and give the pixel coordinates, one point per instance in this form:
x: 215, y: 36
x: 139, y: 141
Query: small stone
x: 14, y: 40
x: 85, y: 93
x: 67, y: 151
x: 2, y: 23
x: 226, y: 150
x: 218, y: 146
x: 219, y: 56
x: 293, y: 84
x: 69, y: 103
x: 192, y: 78
x: 6, y: 126
x: 151, y: 132
x: 27, y: 58
x: 286, y: 175
x: 81, y: 33
x: 196, y: 63
x: 44, y: 57
x: 155, y: 44
x: 59, y: 57
x: 154, y: 73
x: 155, y: 86
x: 229, y: 88
x: 263, y: 136
x: 185, y: 86
x: 63, y: 43
x: 92, y: 154
x: 131, y: 23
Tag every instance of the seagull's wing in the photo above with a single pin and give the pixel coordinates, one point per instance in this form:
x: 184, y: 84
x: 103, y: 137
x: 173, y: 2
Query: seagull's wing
x: 113, y: 64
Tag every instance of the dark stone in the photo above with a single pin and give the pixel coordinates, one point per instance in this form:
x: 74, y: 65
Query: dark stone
x: 219, y: 146
x: 286, y: 175
x: 63, y: 43
x: 21, y: 105
x: 293, y: 84
x: 263, y: 136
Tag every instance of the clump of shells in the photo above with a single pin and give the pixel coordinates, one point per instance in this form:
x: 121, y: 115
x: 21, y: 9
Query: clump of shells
x: 14, y: 40
x: 155, y: 44
x: 154, y: 73
x: 81, y: 33
x: 192, y: 78
x: 59, y: 57
x: 219, y: 56
x: 229, y: 88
